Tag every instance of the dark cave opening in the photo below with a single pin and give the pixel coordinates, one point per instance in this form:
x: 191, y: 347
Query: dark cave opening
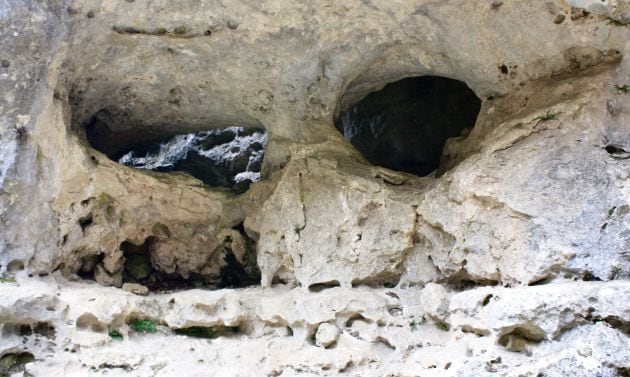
x: 229, y: 157
x: 405, y: 125
x: 236, y: 258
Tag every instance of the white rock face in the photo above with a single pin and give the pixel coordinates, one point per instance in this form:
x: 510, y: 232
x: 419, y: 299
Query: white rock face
x: 595, y: 6
x: 511, y: 260
x: 435, y: 301
x: 364, y: 242
x: 506, y: 309
x: 383, y: 330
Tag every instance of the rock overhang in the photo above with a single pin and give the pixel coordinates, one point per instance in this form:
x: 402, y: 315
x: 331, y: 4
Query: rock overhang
x: 150, y: 76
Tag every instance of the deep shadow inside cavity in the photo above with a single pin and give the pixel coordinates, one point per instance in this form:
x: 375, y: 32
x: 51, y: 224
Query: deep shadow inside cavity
x: 229, y: 157
x: 232, y: 265
x: 405, y: 125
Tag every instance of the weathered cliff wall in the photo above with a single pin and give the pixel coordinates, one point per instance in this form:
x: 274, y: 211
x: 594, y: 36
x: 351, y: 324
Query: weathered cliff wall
x: 513, y: 259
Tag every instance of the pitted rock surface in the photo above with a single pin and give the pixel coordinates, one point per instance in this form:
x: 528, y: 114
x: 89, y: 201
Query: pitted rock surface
x: 511, y: 259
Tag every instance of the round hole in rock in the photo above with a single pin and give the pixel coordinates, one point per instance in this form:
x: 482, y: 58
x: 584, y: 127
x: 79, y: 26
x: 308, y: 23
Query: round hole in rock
x: 228, y: 157
x: 405, y: 125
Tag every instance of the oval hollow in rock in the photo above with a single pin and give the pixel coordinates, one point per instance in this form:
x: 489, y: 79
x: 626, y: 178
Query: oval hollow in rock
x: 405, y: 125
x: 226, y: 157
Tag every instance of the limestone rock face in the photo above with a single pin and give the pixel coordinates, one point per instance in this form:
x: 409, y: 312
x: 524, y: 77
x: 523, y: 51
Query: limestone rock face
x: 98, y: 221
x: 435, y: 301
x: 510, y: 259
x: 369, y: 223
x: 378, y: 330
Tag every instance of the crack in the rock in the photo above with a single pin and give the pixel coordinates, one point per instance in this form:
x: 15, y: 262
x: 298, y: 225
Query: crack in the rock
x: 299, y: 229
x: 179, y: 32
x: 496, y: 203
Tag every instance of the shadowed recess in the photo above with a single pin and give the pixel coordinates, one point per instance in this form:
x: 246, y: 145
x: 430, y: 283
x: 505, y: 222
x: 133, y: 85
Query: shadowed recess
x: 405, y: 125
x: 226, y: 157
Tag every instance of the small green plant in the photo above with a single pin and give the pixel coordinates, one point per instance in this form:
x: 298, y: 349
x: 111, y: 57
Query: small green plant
x: 12, y: 363
x: 7, y: 279
x: 413, y: 326
x: 611, y: 212
x: 549, y: 115
x: 625, y: 88
x: 617, y: 22
x: 143, y: 325
x: 115, y: 334
x: 442, y: 326
x: 615, y: 271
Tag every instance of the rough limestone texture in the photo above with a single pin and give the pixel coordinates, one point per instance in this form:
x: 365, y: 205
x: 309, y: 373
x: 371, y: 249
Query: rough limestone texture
x: 512, y: 260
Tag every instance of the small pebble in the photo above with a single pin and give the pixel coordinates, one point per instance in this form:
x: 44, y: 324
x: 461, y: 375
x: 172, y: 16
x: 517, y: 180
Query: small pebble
x: 613, y: 107
x: 585, y: 352
x: 134, y: 288
x: 5, y: 63
x: 496, y: 4
x: 559, y: 19
x: 326, y: 335
x: 180, y: 30
x: 577, y: 13
x: 90, y: 14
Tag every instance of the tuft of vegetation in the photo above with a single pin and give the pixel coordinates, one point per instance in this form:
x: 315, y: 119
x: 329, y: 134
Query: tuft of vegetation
x: 625, y: 88
x: 13, y: 363
x: 611, y: 212
x: 7, y: 279
x: 615, y: 271
x: 549, y: 115
x: 617, y: 22
x: 442, y: 326
x: 115, y: 334
x: 413, y: 326
x: 143, y: 325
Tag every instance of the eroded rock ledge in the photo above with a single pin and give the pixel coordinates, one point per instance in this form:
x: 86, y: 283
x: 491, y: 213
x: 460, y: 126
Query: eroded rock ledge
x: 278, y: 331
